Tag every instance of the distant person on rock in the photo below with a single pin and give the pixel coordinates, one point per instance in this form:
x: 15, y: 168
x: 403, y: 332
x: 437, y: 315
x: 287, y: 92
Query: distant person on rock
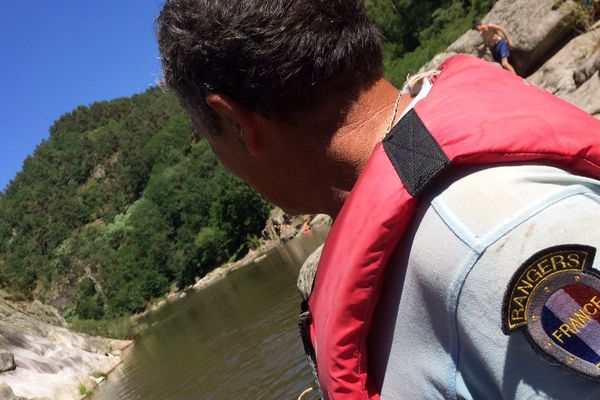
x: 498, y: 45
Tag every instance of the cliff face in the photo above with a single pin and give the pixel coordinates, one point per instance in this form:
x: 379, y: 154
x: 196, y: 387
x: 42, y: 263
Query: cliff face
x: 557, y: 47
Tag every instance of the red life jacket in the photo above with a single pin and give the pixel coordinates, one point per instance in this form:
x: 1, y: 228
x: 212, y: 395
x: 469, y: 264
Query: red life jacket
x: 474, y: 114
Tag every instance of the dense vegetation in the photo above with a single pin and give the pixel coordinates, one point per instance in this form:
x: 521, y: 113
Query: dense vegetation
x: 121, y: 201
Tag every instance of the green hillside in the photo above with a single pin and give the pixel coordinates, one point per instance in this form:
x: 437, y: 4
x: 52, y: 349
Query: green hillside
x: 117, y: 204
x: 122, y: 201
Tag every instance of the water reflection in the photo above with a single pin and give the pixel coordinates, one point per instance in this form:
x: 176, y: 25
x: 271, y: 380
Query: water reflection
x: 236, y: 339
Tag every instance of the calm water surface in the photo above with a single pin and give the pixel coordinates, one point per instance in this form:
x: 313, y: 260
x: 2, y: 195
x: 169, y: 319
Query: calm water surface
x: 236, y: 339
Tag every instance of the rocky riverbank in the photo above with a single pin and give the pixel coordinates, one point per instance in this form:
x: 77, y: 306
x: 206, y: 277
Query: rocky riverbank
x: 280, y: 228
x: 41, y: 359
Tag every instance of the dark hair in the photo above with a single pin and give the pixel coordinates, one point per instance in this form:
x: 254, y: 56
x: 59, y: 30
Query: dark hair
x: 476, y: 23
x: 275, y: 57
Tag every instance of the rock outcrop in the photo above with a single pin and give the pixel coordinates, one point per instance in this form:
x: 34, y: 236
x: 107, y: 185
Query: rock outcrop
x: 43, y: 358
x: 548, y: 49
x: 572, y: 73
x: 587, y: 96
x: 562, y: 72
x: 536, y: 27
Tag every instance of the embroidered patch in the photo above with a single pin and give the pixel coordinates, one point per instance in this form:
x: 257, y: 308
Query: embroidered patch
x: 554, y: 299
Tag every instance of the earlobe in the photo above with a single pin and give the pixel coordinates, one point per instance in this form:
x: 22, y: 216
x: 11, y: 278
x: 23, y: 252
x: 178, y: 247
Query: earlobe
x: 251, y: 137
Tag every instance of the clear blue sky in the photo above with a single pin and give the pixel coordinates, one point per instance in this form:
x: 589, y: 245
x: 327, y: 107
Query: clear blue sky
x: 58, y: 54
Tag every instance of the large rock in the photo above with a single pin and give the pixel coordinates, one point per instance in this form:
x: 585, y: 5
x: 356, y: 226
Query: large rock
x: 535, y: 27
x: 587, y: 96
x: 307, y: 273
x: 571, y: 65
x: 7, y: 361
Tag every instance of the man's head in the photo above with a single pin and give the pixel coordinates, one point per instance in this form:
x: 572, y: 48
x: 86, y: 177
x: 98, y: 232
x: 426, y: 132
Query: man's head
x: 262, y: 80
x: 477, y: 26
x: 278, y: 57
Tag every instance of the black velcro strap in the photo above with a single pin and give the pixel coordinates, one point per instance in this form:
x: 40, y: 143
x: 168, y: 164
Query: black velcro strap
x: 415, y: 154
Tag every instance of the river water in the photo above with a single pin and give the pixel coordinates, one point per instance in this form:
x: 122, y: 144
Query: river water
x: 237, y: 339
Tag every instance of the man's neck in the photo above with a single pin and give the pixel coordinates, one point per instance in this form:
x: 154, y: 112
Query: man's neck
x: 350, y: 147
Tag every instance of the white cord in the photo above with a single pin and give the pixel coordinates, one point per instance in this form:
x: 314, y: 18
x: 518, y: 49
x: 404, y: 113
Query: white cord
x: 398, y: 99
x: 414, y: 83
x: 413, y: 86
x: 306, y: 392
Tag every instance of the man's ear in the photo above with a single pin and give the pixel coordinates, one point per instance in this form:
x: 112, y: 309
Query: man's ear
x: 237, y: 120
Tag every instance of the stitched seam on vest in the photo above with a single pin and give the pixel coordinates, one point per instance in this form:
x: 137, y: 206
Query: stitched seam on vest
x: 454, y: 293
x: 452, y: 222
x: 592, y: 196
x: 550, y: 162
x: 490, y: 237
x: 495, y: 235
x: 387, y: 250
x: 362, y: 337
x: 453, y: 300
